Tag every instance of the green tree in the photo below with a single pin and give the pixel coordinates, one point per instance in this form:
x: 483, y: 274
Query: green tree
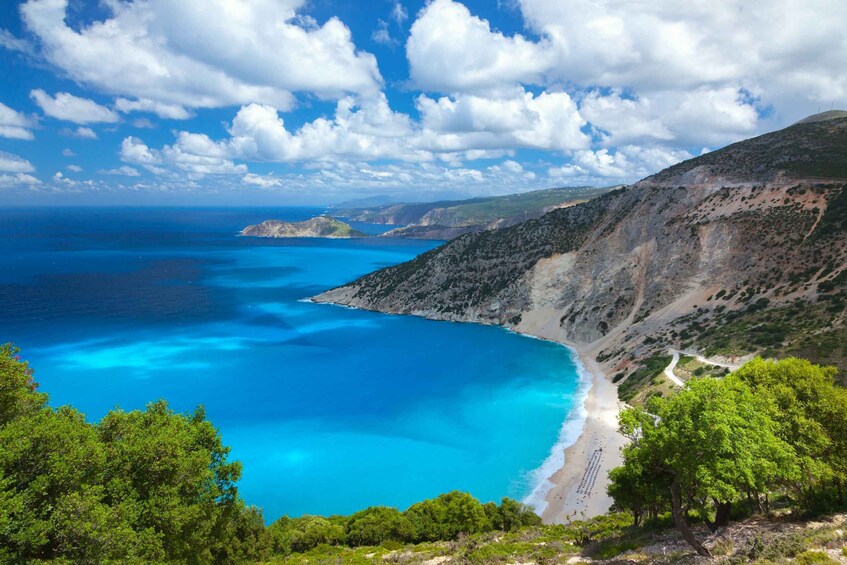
x: 447, y: 516
x: 811, y: 412
x: 513, y: 515
x: 706, y: 447
x: 171, y: 475
x: 378, y: 524
x: 18, y: 389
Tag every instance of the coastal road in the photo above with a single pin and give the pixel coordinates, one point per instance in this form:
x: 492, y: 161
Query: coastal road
x: 676, y: 354
x: 669, y: 369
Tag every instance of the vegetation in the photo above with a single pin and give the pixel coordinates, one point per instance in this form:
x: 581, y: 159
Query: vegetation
x: 156, y: 486
x: 475, y: 211
x: 770, y: 428
x: 650, y: 369
x: 817, y: 150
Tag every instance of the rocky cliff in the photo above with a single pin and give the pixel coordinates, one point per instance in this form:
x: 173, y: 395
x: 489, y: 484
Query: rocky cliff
x: 740, y: 251
x: 322, y: 226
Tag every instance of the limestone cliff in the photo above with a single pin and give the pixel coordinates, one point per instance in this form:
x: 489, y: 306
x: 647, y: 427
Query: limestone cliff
x: 740, y: 251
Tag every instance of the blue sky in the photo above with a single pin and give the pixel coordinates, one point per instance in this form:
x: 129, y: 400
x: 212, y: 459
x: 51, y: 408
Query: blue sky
x: 296, y: 101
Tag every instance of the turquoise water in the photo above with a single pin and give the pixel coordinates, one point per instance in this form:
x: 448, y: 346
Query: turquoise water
x: 329, y: 409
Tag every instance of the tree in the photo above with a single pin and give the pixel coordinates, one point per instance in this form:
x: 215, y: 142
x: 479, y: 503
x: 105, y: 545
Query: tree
x: 512, y: 515
x: 811, y: 413
x: 18, y: 389
x: 170, y: 472
x: 705, y: 447
x: 446, y: 516
x: 378, y: 524
x: 147, y: 485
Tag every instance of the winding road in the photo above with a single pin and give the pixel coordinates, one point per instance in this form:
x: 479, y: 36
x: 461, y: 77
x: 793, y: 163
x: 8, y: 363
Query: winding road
x: 676, y: 354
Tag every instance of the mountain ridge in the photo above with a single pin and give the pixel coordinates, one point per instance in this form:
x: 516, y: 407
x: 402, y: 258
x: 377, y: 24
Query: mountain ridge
x: 745, y: 240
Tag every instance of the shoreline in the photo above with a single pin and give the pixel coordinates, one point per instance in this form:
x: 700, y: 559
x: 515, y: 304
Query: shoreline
x: 576, y: 490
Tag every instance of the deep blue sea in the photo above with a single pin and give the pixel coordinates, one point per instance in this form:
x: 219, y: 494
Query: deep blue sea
x: 329, y: 409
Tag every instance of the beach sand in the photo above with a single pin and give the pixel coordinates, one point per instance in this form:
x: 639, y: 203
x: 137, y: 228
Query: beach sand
x: 579, y: 488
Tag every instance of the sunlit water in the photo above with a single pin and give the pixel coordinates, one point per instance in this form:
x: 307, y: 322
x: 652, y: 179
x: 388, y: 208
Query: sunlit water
x: 329, y: 409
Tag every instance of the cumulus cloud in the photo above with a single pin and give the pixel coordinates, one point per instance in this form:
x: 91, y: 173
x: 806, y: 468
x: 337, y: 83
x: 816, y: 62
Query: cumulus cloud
x: 192, y: 153
x: 518, y: 119
x: 74, y: 168
x: 10, y: 163
x: 451, y: 50
x: 624, y: 164
x: 664, y: 45
x: 15, y: 125
x: 161, y: 54
x: 18, y: 180
x: 70, y: 108
x: 656, y: 73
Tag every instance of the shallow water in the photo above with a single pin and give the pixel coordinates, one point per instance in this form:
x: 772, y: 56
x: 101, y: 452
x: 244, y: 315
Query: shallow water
x: 329, y: 409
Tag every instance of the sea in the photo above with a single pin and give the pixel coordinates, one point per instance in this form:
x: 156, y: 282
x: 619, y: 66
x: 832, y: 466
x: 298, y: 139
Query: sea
x: 329, y: 409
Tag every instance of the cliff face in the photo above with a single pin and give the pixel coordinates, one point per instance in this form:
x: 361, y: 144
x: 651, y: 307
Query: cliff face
x: 321, y: 226
x: 740, y: 251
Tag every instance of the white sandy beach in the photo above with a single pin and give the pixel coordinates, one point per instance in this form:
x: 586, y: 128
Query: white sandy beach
x: 578, y: 489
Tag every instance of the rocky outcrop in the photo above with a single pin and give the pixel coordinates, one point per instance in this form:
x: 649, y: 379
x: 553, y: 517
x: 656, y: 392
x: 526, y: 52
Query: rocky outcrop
x: 322, y: 226
x: 749, y: 241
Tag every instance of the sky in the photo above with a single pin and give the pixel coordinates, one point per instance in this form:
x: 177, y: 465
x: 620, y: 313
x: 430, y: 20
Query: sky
x: 321, y: 101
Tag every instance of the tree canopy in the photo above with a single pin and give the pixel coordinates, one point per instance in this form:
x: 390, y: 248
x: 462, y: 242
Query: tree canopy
x: 770, y: 426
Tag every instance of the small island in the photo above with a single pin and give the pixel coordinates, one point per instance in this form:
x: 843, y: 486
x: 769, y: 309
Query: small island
x: 320, y: 226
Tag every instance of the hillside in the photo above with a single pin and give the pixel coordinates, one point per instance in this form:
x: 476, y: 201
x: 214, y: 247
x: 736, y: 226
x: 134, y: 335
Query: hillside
x: 322, y: 226
x: 740, y: 251
x: 450, y: 219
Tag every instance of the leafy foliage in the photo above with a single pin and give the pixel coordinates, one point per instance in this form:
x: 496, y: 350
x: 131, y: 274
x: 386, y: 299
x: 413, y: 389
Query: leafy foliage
x: 147, y: 485
x: 772, y: 426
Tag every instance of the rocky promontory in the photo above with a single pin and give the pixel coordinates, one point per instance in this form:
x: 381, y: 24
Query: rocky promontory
x: 321, y: 226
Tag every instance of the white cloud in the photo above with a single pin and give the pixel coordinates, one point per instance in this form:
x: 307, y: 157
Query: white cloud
x: 451, y: 50
x: 12, y: 43
x: 65, y: 106
x: 166, y: 111
x: 204, y: 53
x: 648, y: 73
x: 10, y: 163
x: 15, y: 125
x: 134, y: 151
x: 263, y: 181
x: 68, y: 153
x: 382, y: 35
x: 74, y: 168
x: 123, y: 170
x: 194, y: 154
x: 399, y: 13
x: 18, y: 179
x: 624, y: 164
x: 143, y: 123
x: 519, y: 119
x: 80, y: 132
